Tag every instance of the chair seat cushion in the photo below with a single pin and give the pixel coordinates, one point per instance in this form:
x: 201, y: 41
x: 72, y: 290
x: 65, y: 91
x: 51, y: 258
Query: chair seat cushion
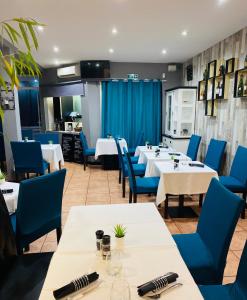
x: 139, y: 170
x: 232, y: 183
x: 134, y: 159
x: 132, y: 151
x: 219, y: 292
x: 25, y: 276
x: 90, y: 152
x: 147, y: 185
x: 197, y: 257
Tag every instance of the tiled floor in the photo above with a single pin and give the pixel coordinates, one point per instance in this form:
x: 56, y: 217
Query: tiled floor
x: 95, y: 186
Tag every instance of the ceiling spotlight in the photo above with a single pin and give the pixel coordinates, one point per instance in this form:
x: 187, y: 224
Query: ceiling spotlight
x: 55, y: 49
x: 164, y: 51
x: 111, y: 50
x: 184, y: 33
x: 114, y: 31
x: 220, y: 2
x: 56, y: 62
x: 40, y: 28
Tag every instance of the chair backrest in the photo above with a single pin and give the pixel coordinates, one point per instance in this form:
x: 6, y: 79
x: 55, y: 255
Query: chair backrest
x: 44, y: 138
x: 132, y: 179
x: 7, y: 238
x: 39, y: 206
x: 193, y: 146
x: 83, y: 141
x: 220, y: 212
x: 120, y: 155
x: 241, y: 280
x: 27, y: 154
x: 239, y: 165
x: 215, y: 153
x: 140, y: 139
x: 27, y: 133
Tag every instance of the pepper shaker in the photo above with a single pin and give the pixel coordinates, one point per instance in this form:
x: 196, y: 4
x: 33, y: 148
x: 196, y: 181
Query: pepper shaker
x: 106, y: 247
x: 99, y: 235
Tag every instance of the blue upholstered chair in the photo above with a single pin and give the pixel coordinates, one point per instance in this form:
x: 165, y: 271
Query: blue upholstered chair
x: 139, y: 142
x: 28, y: 158
x: 27, y: 133
x: 145, y: 185
x: 237, y: 180
x: 193, y: 146
x: 86, y: 150
x: 21, y: 276
x: 39, y: 208
x: 139, y: 169
x: 205, y: 251
x: 232, y: 291
x: 215, y: 154
x: 45, y: 138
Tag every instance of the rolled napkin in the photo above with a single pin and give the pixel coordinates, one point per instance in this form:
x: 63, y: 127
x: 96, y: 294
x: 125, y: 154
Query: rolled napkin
x: 157, y: 283
x: 174, y: 153
x: 196, y: 165
x: 75, y: 285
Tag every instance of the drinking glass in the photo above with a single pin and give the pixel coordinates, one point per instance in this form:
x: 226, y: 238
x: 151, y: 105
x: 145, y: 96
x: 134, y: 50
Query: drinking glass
x: 114, y: 264
x: 120, y: 289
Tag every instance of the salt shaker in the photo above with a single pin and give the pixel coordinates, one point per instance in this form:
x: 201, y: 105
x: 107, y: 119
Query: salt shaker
x: 99, y: 235
x: 106, y: 246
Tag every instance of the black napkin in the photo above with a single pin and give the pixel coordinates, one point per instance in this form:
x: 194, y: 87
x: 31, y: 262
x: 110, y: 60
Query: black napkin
x: 75, y: 285
x: 196, y: 165
x: 174, y: 154
x: 157, y: 284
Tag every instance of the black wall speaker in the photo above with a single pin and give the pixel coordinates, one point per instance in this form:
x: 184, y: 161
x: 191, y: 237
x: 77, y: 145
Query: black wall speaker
x: 189, y: 72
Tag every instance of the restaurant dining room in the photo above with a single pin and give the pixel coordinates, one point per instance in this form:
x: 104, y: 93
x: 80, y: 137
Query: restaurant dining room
x: 123, y: 150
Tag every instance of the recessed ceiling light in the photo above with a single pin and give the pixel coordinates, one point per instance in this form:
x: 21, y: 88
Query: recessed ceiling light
x: 221, y: 2
x: 40, y: 28
x: 56, y: 62
x: 164, y: 51
x: 184, y: 33
x: 114, y: 31
x: 55, y: 49
x: 111, y: 50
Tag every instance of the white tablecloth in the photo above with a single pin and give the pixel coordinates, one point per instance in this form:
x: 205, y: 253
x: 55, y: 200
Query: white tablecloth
x: 53, y: 154
x: 141, y: 149
x: 185, y: 180
x: 149, y: 158
x: 10, y: 199
x: 108, y: 147
x: 149, y: 251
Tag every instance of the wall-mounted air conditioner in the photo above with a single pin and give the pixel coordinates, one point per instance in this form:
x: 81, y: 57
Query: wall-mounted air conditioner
x: 71, y: 71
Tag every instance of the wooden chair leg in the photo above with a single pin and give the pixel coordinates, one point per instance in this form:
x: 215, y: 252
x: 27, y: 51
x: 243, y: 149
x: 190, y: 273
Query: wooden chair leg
x: 84, y: 162
x: 200, y: 200
x: 16, y: 176
x: 166, y: 207
x: 59, y: 233
x: 135, y: 198
x: 119, y: 176
x: 243, y: 211
x: 49, y: 168
x: 27, y: 175
x: 123, y: 186
x: 130, y: 196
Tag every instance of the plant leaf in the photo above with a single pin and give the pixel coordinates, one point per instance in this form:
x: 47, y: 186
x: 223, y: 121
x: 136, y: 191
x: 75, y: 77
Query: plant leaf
x: 33, y: 35
x: 25, y: 36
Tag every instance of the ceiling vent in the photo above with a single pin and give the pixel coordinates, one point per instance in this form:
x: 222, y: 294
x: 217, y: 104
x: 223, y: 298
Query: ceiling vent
x: 71, y: 71
x: 172, y: 68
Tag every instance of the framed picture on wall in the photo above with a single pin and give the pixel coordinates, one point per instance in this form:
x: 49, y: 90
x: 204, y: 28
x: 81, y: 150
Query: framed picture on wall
x: 7, y: 99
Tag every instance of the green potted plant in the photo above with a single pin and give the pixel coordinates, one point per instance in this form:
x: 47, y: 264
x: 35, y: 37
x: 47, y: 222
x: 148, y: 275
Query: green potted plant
x: 120, y: 232
x: 2, y: 177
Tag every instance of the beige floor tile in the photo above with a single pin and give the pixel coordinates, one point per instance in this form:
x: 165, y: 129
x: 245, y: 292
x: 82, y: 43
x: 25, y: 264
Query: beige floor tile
x: 49, y: 246
x: 98, y: 197
x: 172, y: 227
x: 232, y: 264
x: 186, y: 225
x: 228, y: 279
x: 238, y: 240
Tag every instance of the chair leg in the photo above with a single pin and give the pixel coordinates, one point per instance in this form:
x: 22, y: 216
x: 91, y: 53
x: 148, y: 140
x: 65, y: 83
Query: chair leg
x: 27, y: 248
x: 200, y: 200
x: 243, y: 211
x: 27, y: 175
x: 85, y: 162
x: 49, y: 168
x: 123, y: 186
x: 135, y: 198
x: 16, y: 176
x: 59, y: 233
x: 130, y: 196
x: 119, y: 176
x: 166, y: 207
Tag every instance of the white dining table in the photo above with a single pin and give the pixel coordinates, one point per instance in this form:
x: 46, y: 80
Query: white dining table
x: 53, y: 154
x: 107, y: 146
x: 141, y: 149
x: 10, y: 198
x: 149, y: 251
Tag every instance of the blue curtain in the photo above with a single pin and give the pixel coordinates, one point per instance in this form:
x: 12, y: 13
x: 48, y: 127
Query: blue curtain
x: 129, y: 107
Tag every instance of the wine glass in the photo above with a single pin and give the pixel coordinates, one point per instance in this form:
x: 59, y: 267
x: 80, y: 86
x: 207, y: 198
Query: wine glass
x: 120, y: 289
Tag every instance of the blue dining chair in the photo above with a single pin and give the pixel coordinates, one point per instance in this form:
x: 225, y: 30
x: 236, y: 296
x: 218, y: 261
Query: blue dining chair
x: 27, y: 133
x: 231, y: 291
x: 86, y: 150
x: 139, y: 185
x: 215, y: 154
x: 139, y: 142
x: 237, y: 180
x: 45, y: 138
x: 21, y: 276
x: 205, y: 251
x: 39, y: 208
x: 139, y: 169
x: 28, y: 158
x: 193, y: 146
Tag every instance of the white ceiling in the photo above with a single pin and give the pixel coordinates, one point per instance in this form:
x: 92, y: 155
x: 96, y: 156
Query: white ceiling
x: 82, y: 28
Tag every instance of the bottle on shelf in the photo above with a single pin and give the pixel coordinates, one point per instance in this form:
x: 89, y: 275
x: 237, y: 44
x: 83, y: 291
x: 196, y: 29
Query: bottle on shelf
x: 245, y: 86
x: 221, y: 90
x: 218, y: 90
x: 241, y: 86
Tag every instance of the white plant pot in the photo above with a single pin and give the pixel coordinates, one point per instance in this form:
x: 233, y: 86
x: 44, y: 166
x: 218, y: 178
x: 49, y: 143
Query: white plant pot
x: 120, y: 243
x: 2, y: 181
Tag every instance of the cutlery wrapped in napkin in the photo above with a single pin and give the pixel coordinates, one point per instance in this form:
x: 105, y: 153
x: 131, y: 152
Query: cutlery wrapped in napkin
x: 174, y: 154
x: 75, y: 285
x: 157, y: 283
x: 196, y: 165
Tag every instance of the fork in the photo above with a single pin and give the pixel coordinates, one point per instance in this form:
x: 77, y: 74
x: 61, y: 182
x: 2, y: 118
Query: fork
x: 157, y: 296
